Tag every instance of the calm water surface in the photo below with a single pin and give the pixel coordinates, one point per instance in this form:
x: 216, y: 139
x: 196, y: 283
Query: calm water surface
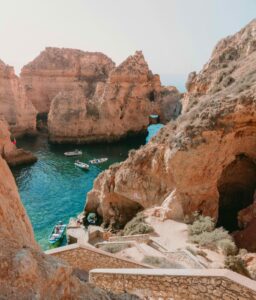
x: 54, y: 189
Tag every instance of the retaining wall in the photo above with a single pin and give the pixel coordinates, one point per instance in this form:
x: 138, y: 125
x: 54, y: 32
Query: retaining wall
x: 88, y: 258
x: 175, y: 284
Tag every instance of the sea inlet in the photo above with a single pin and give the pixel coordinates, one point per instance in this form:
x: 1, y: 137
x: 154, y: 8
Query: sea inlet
x: 53, y: 189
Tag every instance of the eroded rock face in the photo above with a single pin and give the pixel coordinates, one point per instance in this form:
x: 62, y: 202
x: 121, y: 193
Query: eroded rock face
x: 119, y: 106
x: 60, y: 69
x: 88, y: 99
x: 14, y: 105
x: 183, y: 168
x: 224, y: 66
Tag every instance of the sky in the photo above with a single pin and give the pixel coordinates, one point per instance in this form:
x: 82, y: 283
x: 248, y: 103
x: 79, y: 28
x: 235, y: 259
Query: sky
x: 176, y: 36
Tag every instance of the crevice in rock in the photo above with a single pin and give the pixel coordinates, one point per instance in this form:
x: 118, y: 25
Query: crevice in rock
x: 41, y: 122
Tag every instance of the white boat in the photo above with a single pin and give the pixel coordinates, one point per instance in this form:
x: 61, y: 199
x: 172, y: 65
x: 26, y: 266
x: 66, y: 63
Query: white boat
x: 81, y: 165
x: 98, y: 160
x: 73, y: 153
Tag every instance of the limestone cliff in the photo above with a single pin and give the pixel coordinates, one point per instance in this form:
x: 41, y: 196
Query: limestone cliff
x: 224, y: 66
x: 63, y: 70
x: 14, y: 105
x: 119, y: 106
x: 203, y: 161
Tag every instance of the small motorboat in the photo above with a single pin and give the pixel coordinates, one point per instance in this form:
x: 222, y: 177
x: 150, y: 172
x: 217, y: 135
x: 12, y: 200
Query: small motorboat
x: 73, y: 153
x: 98, y: 160
x: 92, y: 218
x: 81, y: 165
x: 57, y: 235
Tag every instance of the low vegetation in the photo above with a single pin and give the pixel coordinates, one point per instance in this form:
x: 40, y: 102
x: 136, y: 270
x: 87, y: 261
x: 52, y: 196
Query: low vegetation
x: 203, y: 232
x: 137, y: 226
x: 114, y: 248
x: 236, y: 264
x: 200, y: 225
x: 160, y: 262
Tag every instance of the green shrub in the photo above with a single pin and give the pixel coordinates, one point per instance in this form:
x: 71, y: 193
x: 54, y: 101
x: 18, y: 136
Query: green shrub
x: 160, y: 262
x: 114, y: 248
x: 227, y: 247
x: 200, y: 225
x: 203, y: 233
x: 210, y: 239
x: 236, y: 264
x: 137, y: 226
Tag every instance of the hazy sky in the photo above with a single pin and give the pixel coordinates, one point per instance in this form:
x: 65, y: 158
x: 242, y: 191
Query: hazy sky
x: 176, y: 36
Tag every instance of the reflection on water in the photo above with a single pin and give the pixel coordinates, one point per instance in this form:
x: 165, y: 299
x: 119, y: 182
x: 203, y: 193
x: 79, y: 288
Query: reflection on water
x: 54, y: 189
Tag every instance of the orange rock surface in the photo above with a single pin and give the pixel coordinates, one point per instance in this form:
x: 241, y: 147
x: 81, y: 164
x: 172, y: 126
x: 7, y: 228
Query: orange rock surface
x: 89, y: 99
x: 62, y: 69
x: 119, y: 106
x: 8, y: 150
x: 14, y: 105
x: 205, y: 158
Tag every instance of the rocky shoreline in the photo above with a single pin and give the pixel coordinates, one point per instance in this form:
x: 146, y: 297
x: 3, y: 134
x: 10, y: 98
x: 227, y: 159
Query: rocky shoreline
x: 197, y: 173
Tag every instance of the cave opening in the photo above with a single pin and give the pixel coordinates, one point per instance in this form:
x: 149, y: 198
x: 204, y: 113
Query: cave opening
x: 41, y: 122
x: 152, y: 96
x: 236, y: 187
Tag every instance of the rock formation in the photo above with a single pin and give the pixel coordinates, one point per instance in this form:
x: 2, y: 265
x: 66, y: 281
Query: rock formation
x: 205, y: 160
x: 169, y: 103
x: 119, y: 106
x: 13, y: 155
x: 88, y: 99
x: 14, y: 105
x: 60, y: 69
x: 223, y: 68
x: 25, y: 272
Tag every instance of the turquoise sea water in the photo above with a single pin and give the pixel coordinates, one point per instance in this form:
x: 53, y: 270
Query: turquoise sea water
x: 153, y: 130
x: 54, y: 189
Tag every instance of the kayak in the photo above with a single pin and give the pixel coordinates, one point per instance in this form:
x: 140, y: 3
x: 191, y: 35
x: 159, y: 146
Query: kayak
x: 98, y: 160
x: 57, y: 235
x: 81, y: 165
x: 73, y: 153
